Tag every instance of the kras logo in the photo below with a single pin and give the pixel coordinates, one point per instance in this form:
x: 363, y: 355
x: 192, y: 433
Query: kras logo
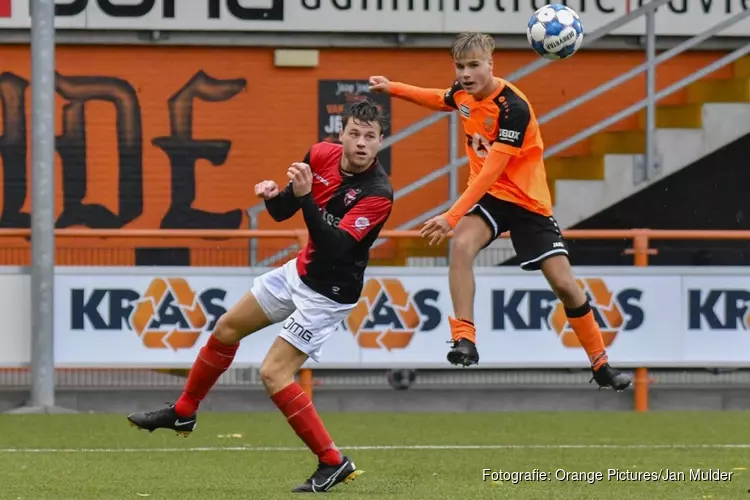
x: 169, y: 314
x: 540, y: 309
x: 387, y: 316
x: 720, y: 309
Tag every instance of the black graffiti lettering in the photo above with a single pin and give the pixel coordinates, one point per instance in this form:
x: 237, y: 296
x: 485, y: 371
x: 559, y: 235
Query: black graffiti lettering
x: 13, y: 150
x: 71, y: 146
x: 478, y: 7
x: 70, y: 9
x: 183, y: 151
x: 138, y: 10
x: 311, y: 4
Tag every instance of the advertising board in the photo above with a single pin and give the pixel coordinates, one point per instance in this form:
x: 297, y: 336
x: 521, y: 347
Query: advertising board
x: 677, y: 17
x: 15, y: 309
x: 120, y: 317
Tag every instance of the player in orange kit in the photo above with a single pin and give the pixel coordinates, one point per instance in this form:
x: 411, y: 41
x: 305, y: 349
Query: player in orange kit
x: 507, y: 191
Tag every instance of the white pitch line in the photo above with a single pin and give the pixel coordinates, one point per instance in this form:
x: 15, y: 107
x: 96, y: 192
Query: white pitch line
x: 385, y: 448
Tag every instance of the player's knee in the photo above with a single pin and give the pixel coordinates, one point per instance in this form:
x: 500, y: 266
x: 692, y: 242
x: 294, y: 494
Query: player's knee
x: 268, y: 374
x: 464, y: 250
x: 275, y: 376
x: 225, y: 332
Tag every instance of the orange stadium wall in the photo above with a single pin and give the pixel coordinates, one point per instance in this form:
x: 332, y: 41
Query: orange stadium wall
x: 176, y: 137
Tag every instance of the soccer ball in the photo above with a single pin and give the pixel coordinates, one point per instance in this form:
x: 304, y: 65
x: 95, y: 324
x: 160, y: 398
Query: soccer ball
x: 555, y: 32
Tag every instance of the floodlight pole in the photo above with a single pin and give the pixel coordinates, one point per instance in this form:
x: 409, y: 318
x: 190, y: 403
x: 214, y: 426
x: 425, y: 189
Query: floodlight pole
x: 42, y: 398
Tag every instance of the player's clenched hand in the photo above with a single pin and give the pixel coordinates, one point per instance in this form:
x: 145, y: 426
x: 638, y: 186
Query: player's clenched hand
x: 380, y: 84
x: 436, y: 229
x: 301, y: 177
x: 266, y: 189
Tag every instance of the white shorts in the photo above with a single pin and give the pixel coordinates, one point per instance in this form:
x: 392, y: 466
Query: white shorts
x: 309, y: 317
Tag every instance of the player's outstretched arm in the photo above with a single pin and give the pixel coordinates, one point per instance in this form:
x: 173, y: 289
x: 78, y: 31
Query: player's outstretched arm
x: 427, y: 98
x: 284, y: 205
x: 491, y: 171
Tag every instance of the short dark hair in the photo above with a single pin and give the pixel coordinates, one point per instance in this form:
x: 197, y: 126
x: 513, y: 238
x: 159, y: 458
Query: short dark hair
x: 364, y: 111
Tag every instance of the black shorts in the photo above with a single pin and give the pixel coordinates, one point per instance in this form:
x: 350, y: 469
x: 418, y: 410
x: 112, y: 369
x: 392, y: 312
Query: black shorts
x: 535, y: 237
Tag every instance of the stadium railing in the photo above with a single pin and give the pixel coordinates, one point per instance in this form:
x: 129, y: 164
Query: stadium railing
x: 640, y: 250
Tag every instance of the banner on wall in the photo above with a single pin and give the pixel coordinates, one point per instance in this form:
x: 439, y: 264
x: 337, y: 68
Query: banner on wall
x: 677, y: 17
x: 15, y: 309
x: 335, y: 95
x: 120, y: 318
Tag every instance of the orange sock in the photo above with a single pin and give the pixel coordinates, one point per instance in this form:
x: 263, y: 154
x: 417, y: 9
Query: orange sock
x: 589, y: 335
x: 462, y: 329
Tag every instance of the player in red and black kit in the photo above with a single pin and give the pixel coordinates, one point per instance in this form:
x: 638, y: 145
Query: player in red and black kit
x: 345, y: 197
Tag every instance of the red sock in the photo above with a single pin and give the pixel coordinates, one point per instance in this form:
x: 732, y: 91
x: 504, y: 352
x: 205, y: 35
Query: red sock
x: 301, y: 415
x: 213, y: 360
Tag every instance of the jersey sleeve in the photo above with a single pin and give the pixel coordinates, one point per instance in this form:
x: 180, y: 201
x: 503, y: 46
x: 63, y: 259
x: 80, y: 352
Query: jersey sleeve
x: 491, y: 171
x: 449, y: 97
x: 437, y: 99
x: 514, y: 120
x: 285, y: 205
x: 369, y: 213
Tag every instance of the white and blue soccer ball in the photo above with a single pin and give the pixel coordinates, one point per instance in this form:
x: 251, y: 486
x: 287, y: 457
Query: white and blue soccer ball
x: 555, y: 32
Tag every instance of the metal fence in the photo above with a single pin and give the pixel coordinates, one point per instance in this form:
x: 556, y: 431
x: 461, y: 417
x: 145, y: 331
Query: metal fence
x: 72, y: 379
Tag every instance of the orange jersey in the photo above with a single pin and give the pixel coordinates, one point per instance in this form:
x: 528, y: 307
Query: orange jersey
x: 504, y: 122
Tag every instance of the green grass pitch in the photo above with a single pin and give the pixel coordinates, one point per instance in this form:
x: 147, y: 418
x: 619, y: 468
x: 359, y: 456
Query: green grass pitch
x: 409, y: 456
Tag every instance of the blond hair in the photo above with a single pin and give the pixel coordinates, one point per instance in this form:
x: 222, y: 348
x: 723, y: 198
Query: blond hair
x: 467, y: 43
